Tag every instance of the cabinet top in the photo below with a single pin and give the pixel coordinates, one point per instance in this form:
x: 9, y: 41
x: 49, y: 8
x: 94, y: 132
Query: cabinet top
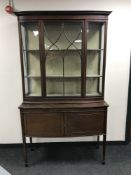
x: 30, y: 13
x: 64, y: 105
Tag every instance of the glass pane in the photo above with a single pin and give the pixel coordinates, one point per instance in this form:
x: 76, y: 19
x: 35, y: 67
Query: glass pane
x: 34, y: 63
x: 31, y: 59
x: 63, y: 56
x: 100, y: 85
x: 94, y: 62
x: 26, y: 86
x: 54, y: 86
x: 92, y: 67
x: 72, y: 63
x: 34, y: 86
x: 94, y: 86
x: 72, y: 87
x: 30, y: 36
x: 95, y: 54
x: 54, y: 63
x: 95, y: 33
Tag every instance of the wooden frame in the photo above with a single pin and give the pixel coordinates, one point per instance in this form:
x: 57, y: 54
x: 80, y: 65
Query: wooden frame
x: 64, y: 116
x: 85, y: 16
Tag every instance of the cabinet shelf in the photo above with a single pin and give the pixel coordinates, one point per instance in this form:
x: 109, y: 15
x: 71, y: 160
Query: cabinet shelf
x: 33, y: 76
x: 93, y: 94
x: 33, y: 95
x: 61, y: 50
x: 72, y: 76
x: 93, y: 76
x: 31, y: 50
x: 58, y: 50
x: 95, y: 50
x: 67, y: 76
x: 63, y: 95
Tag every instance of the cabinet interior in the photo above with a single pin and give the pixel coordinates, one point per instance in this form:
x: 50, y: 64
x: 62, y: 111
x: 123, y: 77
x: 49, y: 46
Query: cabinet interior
x: 56, y: 60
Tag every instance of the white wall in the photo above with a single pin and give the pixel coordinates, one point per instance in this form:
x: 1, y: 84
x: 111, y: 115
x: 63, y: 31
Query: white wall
x: 117, y: 69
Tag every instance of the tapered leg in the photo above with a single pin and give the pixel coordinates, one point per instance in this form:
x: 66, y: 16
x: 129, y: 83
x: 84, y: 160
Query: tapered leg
x: 25, y: 151
x: 97, y: 144
x: 24, y: 139
x: 31, y: 140
x: 104, y: 149
x: 31, y: 145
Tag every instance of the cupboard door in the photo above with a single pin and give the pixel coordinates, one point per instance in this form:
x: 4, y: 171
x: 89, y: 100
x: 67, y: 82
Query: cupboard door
x: 63, y: 45
x: 31, y: 59
x: 43, y: 124
x: 95, y: 58
x: 78, y: 124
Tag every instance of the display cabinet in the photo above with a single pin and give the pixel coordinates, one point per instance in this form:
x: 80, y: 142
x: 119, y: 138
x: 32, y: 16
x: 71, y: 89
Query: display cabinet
x: 63, y: 58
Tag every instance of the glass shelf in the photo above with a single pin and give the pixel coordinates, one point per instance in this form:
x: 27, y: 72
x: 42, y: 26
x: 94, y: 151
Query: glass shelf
x: 34, y: 95
x: 33, y: 76
x: 63, y: 50
x: 93, y: 76
x: 95, y: 50
x: 71, y: 76
x: 93, y: 94
x: 59, y: 95
x: 31, y: 50
x: 64, y: 76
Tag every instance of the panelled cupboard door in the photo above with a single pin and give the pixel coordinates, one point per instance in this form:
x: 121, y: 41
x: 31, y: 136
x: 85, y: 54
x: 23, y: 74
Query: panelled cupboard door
x: 43, y: 124
x: 84, y: 123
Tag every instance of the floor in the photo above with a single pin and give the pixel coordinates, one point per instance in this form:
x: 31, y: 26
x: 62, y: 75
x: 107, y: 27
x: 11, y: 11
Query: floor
x: 67, y: 159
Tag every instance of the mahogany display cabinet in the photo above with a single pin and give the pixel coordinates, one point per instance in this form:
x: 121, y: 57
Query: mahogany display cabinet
x: 63, y: 58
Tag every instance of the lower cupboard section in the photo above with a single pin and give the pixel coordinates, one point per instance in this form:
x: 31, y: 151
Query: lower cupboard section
x: 43, y: 125
x: 78, y: 124
x: 64, y: 124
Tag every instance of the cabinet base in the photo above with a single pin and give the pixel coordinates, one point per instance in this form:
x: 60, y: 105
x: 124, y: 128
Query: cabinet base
x: 103, y: 162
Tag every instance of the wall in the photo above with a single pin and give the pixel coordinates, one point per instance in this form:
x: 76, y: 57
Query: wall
x: 117, y: 69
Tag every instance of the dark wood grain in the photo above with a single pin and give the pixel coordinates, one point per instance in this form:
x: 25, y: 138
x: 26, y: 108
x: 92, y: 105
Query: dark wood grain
x: 43, y: 124
x: 64, y: 105
x: 32, y: 13
x: 68, y: 116
x: 85, y: 123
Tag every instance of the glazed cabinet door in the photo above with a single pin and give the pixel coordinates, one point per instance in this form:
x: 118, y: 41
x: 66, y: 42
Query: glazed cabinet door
x: 95, y: 58
x: 31, y: 59
x: 63, y: 51
x: 63, y: 58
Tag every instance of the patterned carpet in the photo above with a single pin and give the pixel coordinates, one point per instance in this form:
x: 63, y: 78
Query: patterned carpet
x: 68, y: 159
